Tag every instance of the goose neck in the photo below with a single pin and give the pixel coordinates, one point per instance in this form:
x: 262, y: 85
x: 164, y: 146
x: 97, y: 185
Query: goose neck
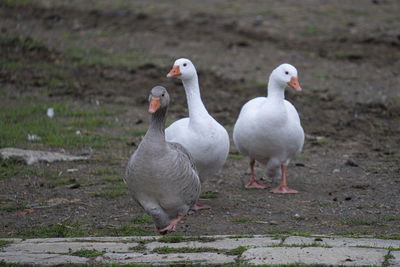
x: 157, y: 126
x: 195, y: 105
x: 275, y: 90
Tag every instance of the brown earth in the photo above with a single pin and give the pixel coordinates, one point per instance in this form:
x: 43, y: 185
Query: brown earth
x: 348, y: 57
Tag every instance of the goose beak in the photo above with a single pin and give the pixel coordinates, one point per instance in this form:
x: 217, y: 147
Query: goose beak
x: 154, y: 104
x: 174, y: 72
x: 294, y: 83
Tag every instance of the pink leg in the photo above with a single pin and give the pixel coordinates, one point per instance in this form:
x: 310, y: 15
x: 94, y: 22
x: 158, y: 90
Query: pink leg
x: 283, y: 189
x: 253, y: 182
x: 171, y: 227
x: 199, y: 206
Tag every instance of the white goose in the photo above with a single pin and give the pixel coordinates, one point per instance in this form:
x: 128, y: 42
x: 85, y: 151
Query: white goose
x: 268, y: 128
x: 205, y: 139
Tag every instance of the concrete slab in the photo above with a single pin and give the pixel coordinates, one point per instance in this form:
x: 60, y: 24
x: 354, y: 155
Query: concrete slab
x: 42, y: 259
x: 34, y: 156
x: 194, y: 258
x: 67, y: 247
x: 343, y: 242
x: 315, y: 255
x: 227, y: 243
x: 395, y: 261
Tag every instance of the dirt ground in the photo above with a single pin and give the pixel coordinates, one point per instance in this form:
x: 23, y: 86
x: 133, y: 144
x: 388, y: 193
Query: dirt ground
x: 111, y: 53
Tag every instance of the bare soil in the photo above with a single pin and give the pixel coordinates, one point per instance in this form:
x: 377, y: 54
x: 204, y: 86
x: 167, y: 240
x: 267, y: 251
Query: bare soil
x: 348, y: 57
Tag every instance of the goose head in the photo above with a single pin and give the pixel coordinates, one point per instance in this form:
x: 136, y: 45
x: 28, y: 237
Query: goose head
x: 285, y: 75
x: 183, y: 69
x: 158, y: 98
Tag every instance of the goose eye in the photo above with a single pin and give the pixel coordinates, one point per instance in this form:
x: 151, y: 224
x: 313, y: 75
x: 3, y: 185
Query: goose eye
x: 184, y: 64
x: 162, y: 94
x: 286, y: 72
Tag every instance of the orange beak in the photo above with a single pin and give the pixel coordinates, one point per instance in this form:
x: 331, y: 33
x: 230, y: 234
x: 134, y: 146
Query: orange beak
x: 294, y: 83
x: 154, y: 104
x: 175, y: 71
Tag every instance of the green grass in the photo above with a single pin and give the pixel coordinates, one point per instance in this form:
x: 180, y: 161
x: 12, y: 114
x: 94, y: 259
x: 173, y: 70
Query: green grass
x: 175, y: 238
x: 236, y: 251
x: 64, y: 229
x: 98, y: 56
x: 113, y: 179
x: 344, y: 54
x: 87, y: 253
x: 140, y: 247
x: 104, y: 171
x: 4, y: 243
x: 234, y: 156
x: 242, y: 220
x: 312, y: 30
x: 11, y: 208
x: 12, y: 167
x: 142, y: 219
x: 112, y: 191
x: 56, y: 181
x: 17, y: 121
x: 166, y: 250
x: 139, y: 132
x: 370, y: 221
x: 208, y: 195
x: 240, y: 236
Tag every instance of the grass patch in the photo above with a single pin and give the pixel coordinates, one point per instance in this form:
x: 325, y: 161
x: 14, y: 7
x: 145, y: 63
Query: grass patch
x: 55, y: 181
x: 142, y: 219
x: 236, y: 251
x: 345, y: 54
x: 113, y: 179
x: 98, y: 56
x: 13, y: 207
x: 370, y: 221
x: 167, y: 250
x: 64, y: 229
x: 208, y: 195
x: 139, y: 132
x: 132, y: 229
x: 140, y: 247
x: 104, y: 171
x: 312, y: 30
x: 235, y: 156
x: 242, y: 220
x: 4, y: 243
x: 16, y: 122
x: 87, y: 253
x: 179, y: 238
x: 112, y: 191
x: 240, y: 236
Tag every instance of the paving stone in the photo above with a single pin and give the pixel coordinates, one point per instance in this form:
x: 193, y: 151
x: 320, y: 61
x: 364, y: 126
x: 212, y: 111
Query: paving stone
x: 395, y: 262
x: 195, y: 258
x: 343, y: 242
x: 41, y: 259
x: 33, y: 156
x: 315, y: 255
x: 66, y: 247
x: 227, y: 243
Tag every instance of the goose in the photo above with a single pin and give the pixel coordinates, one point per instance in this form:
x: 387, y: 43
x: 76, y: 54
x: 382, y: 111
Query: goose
x: 161, y: 176
x: 205, y: 139
x: 268, y: 129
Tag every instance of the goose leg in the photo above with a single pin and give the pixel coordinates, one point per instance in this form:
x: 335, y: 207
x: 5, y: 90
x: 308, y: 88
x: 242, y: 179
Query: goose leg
x: 253, y: 182
x: 171, y: 227
x: 199, y: 206
x: 283, y: 189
